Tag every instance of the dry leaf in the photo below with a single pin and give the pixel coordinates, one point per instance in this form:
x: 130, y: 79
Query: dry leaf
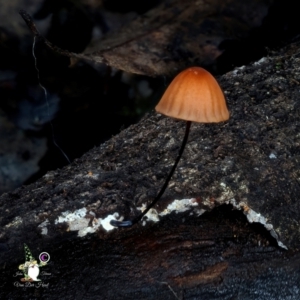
x: 175, y: 34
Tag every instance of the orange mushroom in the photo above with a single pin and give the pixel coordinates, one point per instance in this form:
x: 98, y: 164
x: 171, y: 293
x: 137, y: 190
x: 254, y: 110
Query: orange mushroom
x: 193, y: 95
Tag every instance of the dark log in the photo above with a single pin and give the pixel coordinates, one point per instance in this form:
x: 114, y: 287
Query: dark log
x: 238, y: 237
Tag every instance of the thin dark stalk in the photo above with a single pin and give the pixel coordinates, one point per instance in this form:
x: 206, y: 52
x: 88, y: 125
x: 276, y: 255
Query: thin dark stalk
x: 138, y: 218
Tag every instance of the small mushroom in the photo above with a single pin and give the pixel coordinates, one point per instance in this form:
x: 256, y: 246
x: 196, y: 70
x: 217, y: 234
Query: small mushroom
x: 193, y: 95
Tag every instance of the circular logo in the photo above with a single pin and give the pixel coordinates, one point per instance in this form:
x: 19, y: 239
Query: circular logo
x: 44, y: 257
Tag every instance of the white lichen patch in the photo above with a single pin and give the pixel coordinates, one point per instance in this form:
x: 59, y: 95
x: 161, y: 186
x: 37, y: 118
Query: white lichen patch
x: 259, y: 62
x: 254, y: 217
x: 106, y: 222
x: 79, y: 225
x: 83, y: 221
x: 15, y: 223
x: 69, y: 217
x: 152, y: 214
x: 177, y: 206
x: 43, y: 227
x: 227, y: 197
x: 226, y: 193
x: 235, y: 71
x: 198, y: 212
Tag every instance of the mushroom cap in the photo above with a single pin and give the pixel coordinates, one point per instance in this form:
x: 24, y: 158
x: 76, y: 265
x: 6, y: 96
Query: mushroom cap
x: 194, y: 95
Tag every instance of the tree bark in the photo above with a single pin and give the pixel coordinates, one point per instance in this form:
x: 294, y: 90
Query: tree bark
x: 234, y: 232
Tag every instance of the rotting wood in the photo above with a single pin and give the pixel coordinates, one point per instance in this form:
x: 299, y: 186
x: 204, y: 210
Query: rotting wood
x: 253, y: 159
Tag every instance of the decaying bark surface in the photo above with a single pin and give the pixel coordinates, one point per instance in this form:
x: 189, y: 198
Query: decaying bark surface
x: 233, y: 174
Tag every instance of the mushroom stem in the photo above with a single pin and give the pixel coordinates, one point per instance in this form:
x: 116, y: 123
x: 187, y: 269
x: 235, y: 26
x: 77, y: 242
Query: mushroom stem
x: 138, y: 218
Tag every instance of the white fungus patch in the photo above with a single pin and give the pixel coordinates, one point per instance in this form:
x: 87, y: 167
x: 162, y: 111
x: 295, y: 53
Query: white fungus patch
x: 272, y: 156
